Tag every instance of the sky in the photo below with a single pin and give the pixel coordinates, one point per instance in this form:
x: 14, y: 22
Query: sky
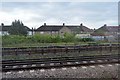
x: 34, y: 14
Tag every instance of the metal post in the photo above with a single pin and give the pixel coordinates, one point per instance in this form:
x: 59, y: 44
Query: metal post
x: 66, y: 49
x: 15, y: 52
x: 79, y: 49
x: 42, y: 51
x: 29, y: 52
x: 54, y: 49
x: 110, y: 46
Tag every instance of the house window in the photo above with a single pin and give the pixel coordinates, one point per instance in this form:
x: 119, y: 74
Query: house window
x: 53, y: 31
x: 29, y: 32
x: 0, y: 32
x: 41, y: 32
x: 56, y: 32
x: 5, y: 33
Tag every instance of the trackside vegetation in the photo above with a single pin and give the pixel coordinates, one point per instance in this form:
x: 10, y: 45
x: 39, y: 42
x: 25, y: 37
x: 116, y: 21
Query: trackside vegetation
x: 17, y: 28
x: 40, y: 39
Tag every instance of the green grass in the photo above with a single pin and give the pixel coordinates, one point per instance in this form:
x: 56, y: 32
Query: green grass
x: 49, y: 44
x: 41, y: 40
x: 45, y: 40
x: 41, y: 44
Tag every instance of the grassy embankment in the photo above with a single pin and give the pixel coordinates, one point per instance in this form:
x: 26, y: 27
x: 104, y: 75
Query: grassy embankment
x: 43, y: 40
x: 46, y: 40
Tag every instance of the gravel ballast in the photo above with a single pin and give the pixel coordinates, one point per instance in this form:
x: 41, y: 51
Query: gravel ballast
x: 93, y: 71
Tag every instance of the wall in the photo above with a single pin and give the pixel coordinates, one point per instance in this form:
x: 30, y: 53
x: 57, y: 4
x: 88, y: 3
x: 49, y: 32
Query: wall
x: 83, y: 35
x: 47, y: 32
x: 4, y: 33
x: 64, y: 30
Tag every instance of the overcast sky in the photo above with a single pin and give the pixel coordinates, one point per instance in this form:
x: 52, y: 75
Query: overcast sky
x: 35, y: 14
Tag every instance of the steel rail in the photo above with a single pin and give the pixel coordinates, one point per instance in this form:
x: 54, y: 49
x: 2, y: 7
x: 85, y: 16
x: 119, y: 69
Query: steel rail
x: 73, y: 46
x: 58, y: 62
x: 61, y: 58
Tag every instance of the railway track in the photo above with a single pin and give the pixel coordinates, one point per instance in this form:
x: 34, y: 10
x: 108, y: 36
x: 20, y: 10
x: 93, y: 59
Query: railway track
x: 57, y: 49
x: 11, y: 65
x: 64, y: 46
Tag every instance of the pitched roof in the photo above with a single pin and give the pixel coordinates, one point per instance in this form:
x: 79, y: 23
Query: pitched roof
x: 80, y: 28
x: 101, y: 31
x: 113, y: 28
x: 7, y: 27
x: 28, y: 28
x: 49, y: 28
x: 58, y: 27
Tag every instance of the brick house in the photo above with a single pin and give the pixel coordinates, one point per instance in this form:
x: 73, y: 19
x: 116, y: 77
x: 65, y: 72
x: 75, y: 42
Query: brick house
x: 4, y: 29
x: 61, y: 29
x: 109, y: 33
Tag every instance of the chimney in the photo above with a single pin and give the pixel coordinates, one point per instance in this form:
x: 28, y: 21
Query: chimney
x: 63, y: 24
x: 81, y: 24
x: 44, y: 24
x: 105, y: 24
x: 2, y: 24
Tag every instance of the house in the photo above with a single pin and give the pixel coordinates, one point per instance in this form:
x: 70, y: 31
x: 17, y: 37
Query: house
x: 4, y: 29
x: 108, y: 33
x: 62, y: 29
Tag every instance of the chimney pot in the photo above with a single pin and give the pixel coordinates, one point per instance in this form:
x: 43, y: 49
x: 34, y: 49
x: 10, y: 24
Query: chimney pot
x: 2, y: 24
x: 105, y: 24
x: 63, y: 24
x: 81, y: 24
x: 44, y: 24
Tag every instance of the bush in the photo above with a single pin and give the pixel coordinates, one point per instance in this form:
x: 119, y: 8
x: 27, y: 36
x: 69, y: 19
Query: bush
x: 37, y: 38
x: 12, y: 39
x: 56, y: 39
x: 68, y: 38
x: 84, y: 39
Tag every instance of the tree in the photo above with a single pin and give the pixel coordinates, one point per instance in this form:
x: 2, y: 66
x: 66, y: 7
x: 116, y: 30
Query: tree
x: 17, y: 28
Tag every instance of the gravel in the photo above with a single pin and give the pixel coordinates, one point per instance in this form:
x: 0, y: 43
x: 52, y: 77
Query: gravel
x: 105, y: 71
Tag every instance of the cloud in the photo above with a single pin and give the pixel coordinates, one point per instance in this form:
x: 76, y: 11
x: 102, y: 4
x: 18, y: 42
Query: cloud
x: 60, y: 0
x: 24, y: 15
x: 34, y: 14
